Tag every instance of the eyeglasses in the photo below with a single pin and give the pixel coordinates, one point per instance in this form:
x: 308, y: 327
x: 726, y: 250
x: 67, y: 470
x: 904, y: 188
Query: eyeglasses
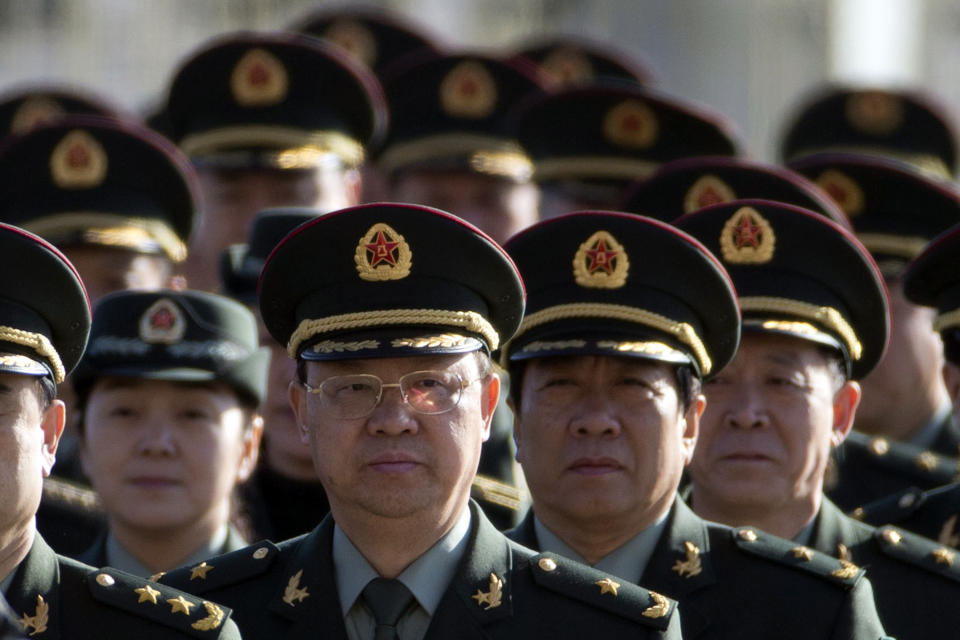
x: 356, y: 396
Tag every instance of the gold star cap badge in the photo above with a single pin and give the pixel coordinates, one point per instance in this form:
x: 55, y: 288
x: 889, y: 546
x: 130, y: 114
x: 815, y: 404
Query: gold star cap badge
x: 874, y: 112
x: 162, y: 323
x: 355, y: 38
x: 747, y: 238
x: 631, y: 124
x: 566, y: 66
x: 601, y: 262
x: 382, y: 254
x: 843, y: 190
x: 468, y: 91
x: 78, y: 161
x: 259, y: 79
x: 707, y: 190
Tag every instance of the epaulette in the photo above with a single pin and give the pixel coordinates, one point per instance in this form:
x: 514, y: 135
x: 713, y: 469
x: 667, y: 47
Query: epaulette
x: 71, y: 494
x: 904, y: 457
x: 765, y: 545
x: 497, y: 492
x: 162, y: 604
x: 892, y: 508
x: 222, y: 570
x: 919, y: 551
x: 603, y: 591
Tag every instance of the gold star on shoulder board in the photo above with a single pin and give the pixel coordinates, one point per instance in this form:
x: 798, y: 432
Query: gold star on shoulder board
x: 607, y: 586
x: 38, y: 621
x: 691, y: 565
x: 200, y: 571
x: 293, y: 592
x: 147, y: 594
x: 180, y: 605
x: 491, y: 598
x: 802, y: 553
x: 659, y: 608
x: 943, y: 556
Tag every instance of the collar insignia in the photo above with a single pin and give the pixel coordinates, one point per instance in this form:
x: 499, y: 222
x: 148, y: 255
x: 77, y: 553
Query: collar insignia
x: 843, y: 190
x: 691, y: 566
x: 259, y: 79
x: 38, y: 621
x: 846, y: 571
x: 631, y: 124
x: 660, y: 607
x: 162, y: 323
x: 943, y: 556
x: 566, y: 67
x: 493, y: 597
x: 355, y: 38
x: 468, y: 91
x: 35, y: 112
x: 293, y: 591
x: 947, y: 536
x: 707, y: 190
x: 78, y: 161
x: 843, y: 553
x: 382, y: 254
x: 874, y: 112
x: 747, y: 238
x: 802, y: 553
x: 601, y: 262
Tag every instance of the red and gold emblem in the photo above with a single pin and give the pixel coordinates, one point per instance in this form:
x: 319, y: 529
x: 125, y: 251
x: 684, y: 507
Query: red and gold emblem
x: 565, y: 67
x: 354, y: 38
x: 382, y: 254
x: 747, y: 238
x: 259, y: 79
x: 162, y: 323
x: 78, y: 161
x: 843, y: 190
x: 468, y: 91
x: 631, y: 124
x: 707, y: 190
x: 34, y: 112
x: 876, y: 113
x: 601, y: 262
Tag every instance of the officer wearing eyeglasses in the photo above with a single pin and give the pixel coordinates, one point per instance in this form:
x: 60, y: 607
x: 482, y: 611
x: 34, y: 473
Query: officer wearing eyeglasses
x: 391, y: 312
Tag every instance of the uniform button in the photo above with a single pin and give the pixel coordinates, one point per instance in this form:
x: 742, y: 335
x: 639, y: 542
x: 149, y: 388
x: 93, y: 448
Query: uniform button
x: 105, y: 580
x: 260, y: 553
x: 891, y: 536
x: 547, y: 564
x: 748, y: 534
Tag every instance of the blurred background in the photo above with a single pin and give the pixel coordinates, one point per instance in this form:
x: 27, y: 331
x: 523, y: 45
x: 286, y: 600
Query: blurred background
x: 750, y: 59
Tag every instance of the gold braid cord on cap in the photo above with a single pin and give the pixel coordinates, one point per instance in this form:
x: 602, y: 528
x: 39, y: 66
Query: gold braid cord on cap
x: 903, y: 246
x: 110, y: 229
x: 38, y: 343
x: 681, y: 330
x: 593, y: 167
x: 299, y: 148
x: 826, y: 316
x: 469, y: 320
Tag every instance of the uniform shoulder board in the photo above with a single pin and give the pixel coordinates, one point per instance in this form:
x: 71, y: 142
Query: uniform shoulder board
x: 609, y: 593
x: 222, y: 570
x: 497, y: 492
x: 919, y: 551
x: 160, y: 603
x: 892, y: 508
x: 905, y: 458
x: 759, y: 543
x: 74, y: 495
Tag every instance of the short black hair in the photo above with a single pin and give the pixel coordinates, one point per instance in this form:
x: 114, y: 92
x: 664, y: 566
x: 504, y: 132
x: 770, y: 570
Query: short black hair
x: 46, y: 392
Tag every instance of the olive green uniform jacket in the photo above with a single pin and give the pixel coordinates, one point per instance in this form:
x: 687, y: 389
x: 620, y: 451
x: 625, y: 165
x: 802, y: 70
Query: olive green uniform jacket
x: 734, y: 584
x: 288, y: 591
x: 916, y: 582
x: 59, y: 598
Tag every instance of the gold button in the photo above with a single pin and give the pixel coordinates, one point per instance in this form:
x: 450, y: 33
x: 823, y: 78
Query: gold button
x: 260, y: 553
x: 906, y: 500
x: 857, y: 513
x: 748, y: 534
x: 879, y: 446
x: 891, y: 536
x: 547, y: 564
x: 105, y: 580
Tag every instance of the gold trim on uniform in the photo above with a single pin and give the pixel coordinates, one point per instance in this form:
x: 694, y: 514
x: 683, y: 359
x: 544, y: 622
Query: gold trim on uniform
x: 498, y: 492
x: 802, y: 553
x: 180, y: 605
x: 607, y: 586
x: 585, y: 167
x: 876, y: 113
x: 942, y: 555
x: 566, y: 66
x: 707, y: 190
x: 382, y: 254
x: 691, y: 565
x: 902, y: 246
x: 468, y: 320
x: 446, y: 340
x: 468, y: 91
x: 601, y: 262
x: 40, y: 344
x: 492, y: 598
x: 147, y: 594
x: 200, y: 571
x: 293, y: 148
x: 335, y: 346
x: 660, y: 608
x: 843, y: 553
x: 846, y: 571
x: 649, y: 348
x: 112, y: 230
x: 486, y: 154
x: 843, y: 190
x: 212, y: 621
x: 38, y: 621
x: 631, y: 124
x: 33, y: 112
x: 78, y: 161
x: 681, y: 330
x: 293, y: 592
x: 259, y: 79
x: 825, y: 316
x: 354, y: 38
x: 747, y: 238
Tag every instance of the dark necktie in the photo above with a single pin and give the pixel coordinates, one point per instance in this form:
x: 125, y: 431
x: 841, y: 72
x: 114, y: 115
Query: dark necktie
x: 387, y: 599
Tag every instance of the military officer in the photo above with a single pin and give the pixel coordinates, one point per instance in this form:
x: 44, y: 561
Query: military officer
x: 29, y: 106
x: 815, y: 321
x: 589, y: 143
x: 570, y: 61
x: 625, y: 316
x: 269, y: 119
x: 382, y: 297
x: 44, y: 323
x: 904, y: 434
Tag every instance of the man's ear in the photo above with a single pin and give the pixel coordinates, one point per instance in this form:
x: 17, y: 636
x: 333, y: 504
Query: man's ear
x: 252, y: 435
x: 52, y: 423
x: 845, y: 402
x: 491, y: 396
x: 691, y: 425
x: 298, y: 402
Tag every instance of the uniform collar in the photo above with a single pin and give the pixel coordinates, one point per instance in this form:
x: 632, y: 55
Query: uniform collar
x: 927, y: 435
x: 119, y: 557
x: 38, y: 576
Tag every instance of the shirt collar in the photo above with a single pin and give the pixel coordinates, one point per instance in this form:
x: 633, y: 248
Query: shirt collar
x: 427, y: 577
x: 119, y: 557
